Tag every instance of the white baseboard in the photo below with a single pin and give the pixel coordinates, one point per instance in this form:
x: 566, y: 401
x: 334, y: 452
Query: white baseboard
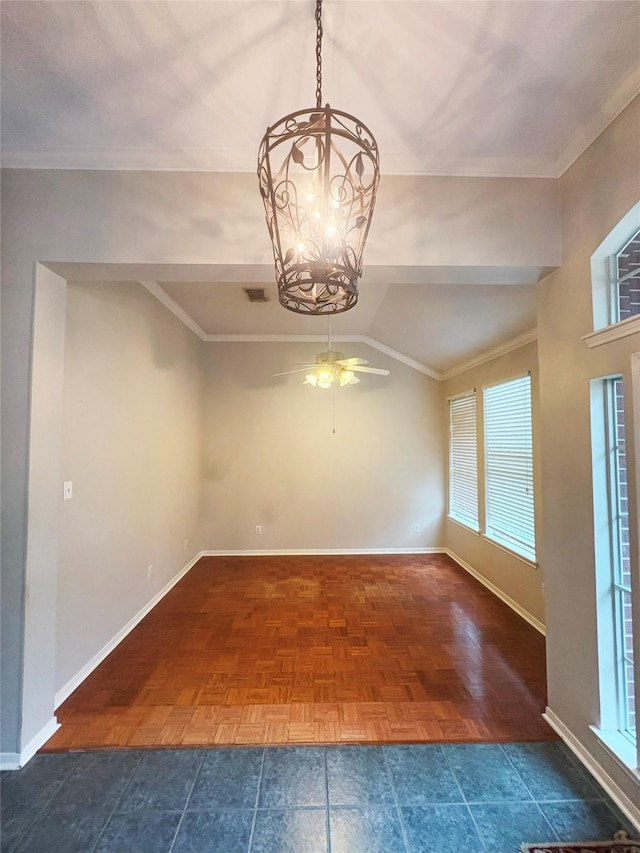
x: 536, y: 623
x: 310, y: 552
x: 16, y: 760
x: 88, y: 668
x: 630, y: 809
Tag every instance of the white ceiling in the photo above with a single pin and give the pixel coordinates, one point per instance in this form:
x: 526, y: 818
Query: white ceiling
x: 449, y: 87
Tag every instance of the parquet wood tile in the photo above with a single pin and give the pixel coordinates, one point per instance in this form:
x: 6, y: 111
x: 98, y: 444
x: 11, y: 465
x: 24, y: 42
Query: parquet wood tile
x: 275, y: 650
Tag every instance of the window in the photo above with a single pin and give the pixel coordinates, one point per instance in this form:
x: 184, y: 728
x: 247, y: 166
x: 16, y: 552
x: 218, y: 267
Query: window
x: 625, y: 278
x: 617, y: 725
x: 615, y: 282
x: 508, y: 461
x: 463, y: 460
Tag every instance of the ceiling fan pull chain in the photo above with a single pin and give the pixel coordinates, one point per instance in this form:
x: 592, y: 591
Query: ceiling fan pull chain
x: 333, y: 394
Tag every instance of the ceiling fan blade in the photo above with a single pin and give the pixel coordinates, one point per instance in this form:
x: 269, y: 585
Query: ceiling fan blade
x: 297, y: 370
x: 353, y: 381
x: 349, y: 362
x: 378, y: 370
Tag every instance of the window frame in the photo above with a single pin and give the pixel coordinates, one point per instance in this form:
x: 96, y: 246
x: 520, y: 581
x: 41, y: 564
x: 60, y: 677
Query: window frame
x: 604, y: 284
x: 615, y: 279
x: 613, y: 729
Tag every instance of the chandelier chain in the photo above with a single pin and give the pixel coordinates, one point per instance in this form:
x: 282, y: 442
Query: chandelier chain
x: 319, y: 54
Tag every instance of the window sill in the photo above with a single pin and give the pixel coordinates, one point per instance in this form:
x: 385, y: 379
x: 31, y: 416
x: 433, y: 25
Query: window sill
x: 630, y: 326
x: 621, y: 749
x: 467, y: 527
x: 510, y: 551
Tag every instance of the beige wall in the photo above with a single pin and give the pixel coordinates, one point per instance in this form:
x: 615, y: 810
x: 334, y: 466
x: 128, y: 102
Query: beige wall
x: 132, y: 429
x: 271, y: 459
x: 598, y: 190
x: 188, y: 219
x: 516, y: 578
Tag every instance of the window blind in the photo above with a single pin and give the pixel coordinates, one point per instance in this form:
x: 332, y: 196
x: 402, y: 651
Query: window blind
x: 509, y: 466
x: 463, y: 461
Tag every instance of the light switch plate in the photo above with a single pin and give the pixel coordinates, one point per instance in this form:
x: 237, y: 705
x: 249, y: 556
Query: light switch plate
x: 67, y: 490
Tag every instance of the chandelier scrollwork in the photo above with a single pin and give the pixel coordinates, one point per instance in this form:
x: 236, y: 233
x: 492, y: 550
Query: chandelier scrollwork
x: 318, y: 171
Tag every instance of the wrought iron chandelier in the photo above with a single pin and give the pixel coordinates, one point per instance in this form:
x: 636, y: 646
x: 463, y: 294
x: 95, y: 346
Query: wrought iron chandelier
x: 318, y: 171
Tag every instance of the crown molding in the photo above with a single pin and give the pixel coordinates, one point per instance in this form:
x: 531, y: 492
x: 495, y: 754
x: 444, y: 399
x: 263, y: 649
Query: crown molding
x: 495, y: 352
x: 129, y: 159
x: 347, y: 339
x: 620, y: 98
x: 162, y: 296
x: 502, y: 349
x: 393, y: 353
x: 160, y: 293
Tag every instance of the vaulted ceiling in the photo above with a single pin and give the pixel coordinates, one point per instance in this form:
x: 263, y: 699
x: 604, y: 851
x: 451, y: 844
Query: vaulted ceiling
x: 480, y: 88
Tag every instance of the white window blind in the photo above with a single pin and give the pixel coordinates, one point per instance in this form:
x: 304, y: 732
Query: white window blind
x: 463, y: 461
x: 509, y: 466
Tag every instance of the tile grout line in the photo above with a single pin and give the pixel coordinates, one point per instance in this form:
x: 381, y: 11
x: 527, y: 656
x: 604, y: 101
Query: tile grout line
x: 463, y: 795
x: 186, y: 803
x: 403, y: 830
x: 257, y: 800
x: 36, y: 817
x: 115, y: 805
x: 327, y: 813
x: 547, y: 821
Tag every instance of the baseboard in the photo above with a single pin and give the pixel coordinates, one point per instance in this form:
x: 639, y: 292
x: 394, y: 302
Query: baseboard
x: 97, y: 659
x: 623, y: 802
x: 310, y: 552
x: 16, y: 760
x: 536, y: 623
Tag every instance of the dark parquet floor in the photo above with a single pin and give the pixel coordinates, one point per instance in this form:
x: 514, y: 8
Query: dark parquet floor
x: 316, y: 649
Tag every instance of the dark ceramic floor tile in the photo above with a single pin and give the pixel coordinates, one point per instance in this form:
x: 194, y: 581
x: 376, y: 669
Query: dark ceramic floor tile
x: 14, y: 828
x: 357, y: 775
x: 227, y: 778
x: 34, y: 785
x: 142, y: 831
x: 584, y: 821
x: 440, y: 829
x: 25, y: 793
x: 293, y: 777
x: 549, y: 772
x: 99, y: 779
x: 485, y: 774
x: 504, y: 827
x: 375, y: 829
x: 220, y: 831
x: 162, y: 780
x: 290, y: 831
x: 70, y: 830
x: 421, y: 775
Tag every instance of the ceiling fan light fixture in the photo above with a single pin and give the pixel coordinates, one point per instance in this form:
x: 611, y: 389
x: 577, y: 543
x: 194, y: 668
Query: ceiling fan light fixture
x: 318, y: 171
x: 345, y: 377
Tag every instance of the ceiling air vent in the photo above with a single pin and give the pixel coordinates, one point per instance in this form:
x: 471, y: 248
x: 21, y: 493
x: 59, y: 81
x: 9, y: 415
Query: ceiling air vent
x: 255, y: 294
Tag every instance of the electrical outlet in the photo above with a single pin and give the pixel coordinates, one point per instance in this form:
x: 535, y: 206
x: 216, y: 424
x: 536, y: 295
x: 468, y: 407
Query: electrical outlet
x: 149, y: 572
x: 416, y: 528
x: 258, y: 528
x: 67, y: 490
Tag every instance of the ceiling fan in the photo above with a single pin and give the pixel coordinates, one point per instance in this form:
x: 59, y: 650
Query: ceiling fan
x: 332, y: 366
